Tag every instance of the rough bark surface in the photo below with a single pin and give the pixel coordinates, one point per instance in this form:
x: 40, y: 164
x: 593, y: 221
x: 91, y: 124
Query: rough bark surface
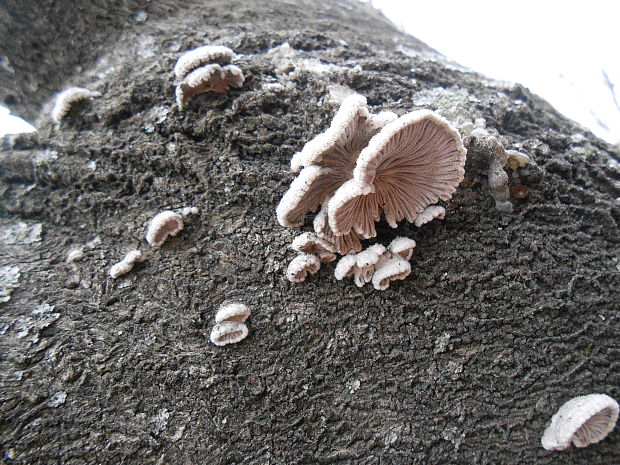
x: 505, y: 317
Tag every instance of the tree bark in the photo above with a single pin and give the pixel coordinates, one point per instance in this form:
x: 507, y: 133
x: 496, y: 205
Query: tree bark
x: 505, y: 317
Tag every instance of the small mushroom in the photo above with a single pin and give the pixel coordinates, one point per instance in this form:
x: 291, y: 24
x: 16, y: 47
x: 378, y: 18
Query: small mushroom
x: 301, y: 265
x: 346, y: 266
x: 411, y: 163
x: 367, y: 262
x: 583, y: 420
x: 311, y: 244
x: 162, y: 225
x: 200, y: 56
x: 228, y: 332
x: 66, y: 100
x: 233, y: 311
x: 393, y: 269
x: 429, y: 214
x: 402, y: 247
x: 126, y: 264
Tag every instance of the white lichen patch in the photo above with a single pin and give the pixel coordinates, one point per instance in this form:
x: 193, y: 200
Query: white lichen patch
x: 9, y: 278
x: 66, y: 100
x: 163, y: 225
x: 289, y: 62
x: 57, y: 399
x: 228, y: 332
x: 30, y: 327
x: 126, y: 264
x: 21, y: 234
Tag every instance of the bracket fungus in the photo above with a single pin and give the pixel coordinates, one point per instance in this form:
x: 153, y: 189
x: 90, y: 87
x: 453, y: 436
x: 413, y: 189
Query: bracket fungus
x: 402, y: 247
x: 328, y: 160
x: 66, y: 100
x: 200, y: 56
x: 126, y: 264
x: 311, y: 244
x: 233, y: 311
x: 228, y: 332
x: 411, y: 163
x: 395, y: 268
x: 429, y: 214
x: 583, y: 420
x: 206, y: 69
x: 301, y: 265
x: 163, y: 225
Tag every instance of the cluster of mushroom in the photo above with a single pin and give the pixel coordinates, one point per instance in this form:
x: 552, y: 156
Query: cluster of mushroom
x: 368, y: 165
x: 205, y: 69
x: 230, y: 326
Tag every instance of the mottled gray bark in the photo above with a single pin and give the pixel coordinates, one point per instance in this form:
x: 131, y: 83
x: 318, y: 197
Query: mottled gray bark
x: 505, y: 316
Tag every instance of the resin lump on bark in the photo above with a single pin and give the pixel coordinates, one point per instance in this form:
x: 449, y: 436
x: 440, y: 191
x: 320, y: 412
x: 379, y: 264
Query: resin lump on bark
x: 67, y: 100
x: 583, y: 420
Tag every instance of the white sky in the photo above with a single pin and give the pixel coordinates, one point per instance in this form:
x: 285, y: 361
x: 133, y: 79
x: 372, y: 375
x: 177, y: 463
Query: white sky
x: 558, y: 49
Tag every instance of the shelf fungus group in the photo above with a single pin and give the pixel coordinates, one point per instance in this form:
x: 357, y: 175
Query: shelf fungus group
x: 362, y: 168
x: 230, y: 326
x: 583, y: 420
x: 205, y: 69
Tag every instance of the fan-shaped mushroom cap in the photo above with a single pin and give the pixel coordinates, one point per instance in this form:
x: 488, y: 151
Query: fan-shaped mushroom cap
x: 162, y: 225
x: 392, y: 269
x: 346, y: 267
x: 328, y: 159
x: 429, y: 214
x: 411, y: 163
x: 66, y: 99
x: 228, y: 332
x: 309, y: 243
x: 300, y: 266
x: 234, y: 75
x: 349, y: 243
x: 583, y: 420
x: 403, y: 247
x: 197, y: 57
x: 341, y: 131
x: 233, y: 311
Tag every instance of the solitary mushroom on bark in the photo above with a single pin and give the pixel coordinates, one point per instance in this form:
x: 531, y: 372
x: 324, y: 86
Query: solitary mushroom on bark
x: 583, y: 420
x: 301, y: 265
x: 233, y: 311
x: 200, y: 56
x: 393, y: 269
x: 411, y: 163
x: 228, y: 332
x: 67, y: 99
x: 402, y: 247
x: 162, y: 225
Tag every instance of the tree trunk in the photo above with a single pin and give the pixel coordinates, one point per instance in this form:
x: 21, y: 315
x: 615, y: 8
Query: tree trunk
x: 506, y: 315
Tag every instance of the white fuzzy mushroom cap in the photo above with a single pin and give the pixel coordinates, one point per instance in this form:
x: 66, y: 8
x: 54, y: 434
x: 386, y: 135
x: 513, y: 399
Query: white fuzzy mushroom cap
x: 192, y: 59
x: 346, y: 267
x: 309, y: 243
x: 430, y: 213
x: 126, y: 264
x: 162, y: 225
x: 403, y: 247
x: 393, y: 269
x: 67, y: 98
x: 583, y: 420
x: 233, y: 311
x: 228, y: 332
x: 301, y: 265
